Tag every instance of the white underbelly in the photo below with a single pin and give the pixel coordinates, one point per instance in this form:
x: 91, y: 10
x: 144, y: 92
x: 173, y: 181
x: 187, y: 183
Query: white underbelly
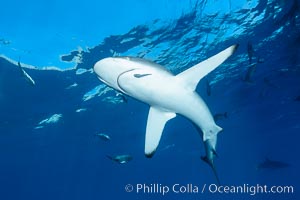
x: 168, y: 94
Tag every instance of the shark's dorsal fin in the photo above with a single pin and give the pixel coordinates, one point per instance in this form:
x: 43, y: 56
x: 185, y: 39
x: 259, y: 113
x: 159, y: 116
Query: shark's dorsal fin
x: 193, y: 75
x: 157, y: 119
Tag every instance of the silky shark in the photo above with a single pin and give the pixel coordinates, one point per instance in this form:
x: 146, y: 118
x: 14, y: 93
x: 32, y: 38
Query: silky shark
x: 166, y: 94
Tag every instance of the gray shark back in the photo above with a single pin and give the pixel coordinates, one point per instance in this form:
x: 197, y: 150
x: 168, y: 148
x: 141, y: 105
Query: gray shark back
x: 144, y: 62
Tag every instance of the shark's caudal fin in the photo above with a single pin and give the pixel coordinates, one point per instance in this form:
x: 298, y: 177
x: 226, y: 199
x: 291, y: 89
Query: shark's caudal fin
x: 157, y: 119
x: 211, y: 164
x: 193, y: 75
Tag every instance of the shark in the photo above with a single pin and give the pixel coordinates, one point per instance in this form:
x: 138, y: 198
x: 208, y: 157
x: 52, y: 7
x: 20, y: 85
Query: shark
x: 167, y: 94
x: 272, y: 164
x: 122, y: 159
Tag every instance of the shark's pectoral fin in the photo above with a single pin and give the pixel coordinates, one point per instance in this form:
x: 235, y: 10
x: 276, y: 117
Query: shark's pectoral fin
x: 193, y: 75
x: 157, y: 119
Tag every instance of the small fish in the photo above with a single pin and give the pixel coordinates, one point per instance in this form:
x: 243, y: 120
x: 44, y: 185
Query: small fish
x: 168, y: 147
x: 272, y: 164
x: 270, y: 83
x: 208, y: 88
x: 260, y: 60
x: 250, y: 52
x: 26, y: 75
x: 250, y: 72
x: 71, y: 86
x: 122, y: 159
x: 38, y: 127
x: 297, y: 98
x: 103, y: 136
x: 124, y: 99
x: 80, y: 110
x: 4, y: 41
x: 220, y: 116
x: 290, y: 15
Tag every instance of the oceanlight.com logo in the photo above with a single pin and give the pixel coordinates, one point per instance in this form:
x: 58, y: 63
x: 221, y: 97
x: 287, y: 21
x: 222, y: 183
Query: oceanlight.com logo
x: 162, y: 189
x: 250, y: 189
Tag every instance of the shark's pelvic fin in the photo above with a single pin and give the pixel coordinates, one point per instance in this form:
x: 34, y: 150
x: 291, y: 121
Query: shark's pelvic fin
x: 193, y: 75
x: 157, y: 119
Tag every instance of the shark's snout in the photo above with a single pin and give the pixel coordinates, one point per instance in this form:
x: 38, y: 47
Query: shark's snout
x: 108, y: 70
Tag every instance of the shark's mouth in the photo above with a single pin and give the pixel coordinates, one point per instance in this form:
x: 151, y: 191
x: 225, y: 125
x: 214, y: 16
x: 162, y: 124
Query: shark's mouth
x: 102, y: 80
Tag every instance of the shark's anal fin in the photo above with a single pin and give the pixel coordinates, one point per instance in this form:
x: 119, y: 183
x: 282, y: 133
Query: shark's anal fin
x: 193, y: 75
x: 157, y: 119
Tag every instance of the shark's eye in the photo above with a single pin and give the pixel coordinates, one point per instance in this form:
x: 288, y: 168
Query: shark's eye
x: 141, y: 75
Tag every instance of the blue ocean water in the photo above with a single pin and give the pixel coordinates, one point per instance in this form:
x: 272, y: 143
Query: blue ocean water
x: 48, y: 143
